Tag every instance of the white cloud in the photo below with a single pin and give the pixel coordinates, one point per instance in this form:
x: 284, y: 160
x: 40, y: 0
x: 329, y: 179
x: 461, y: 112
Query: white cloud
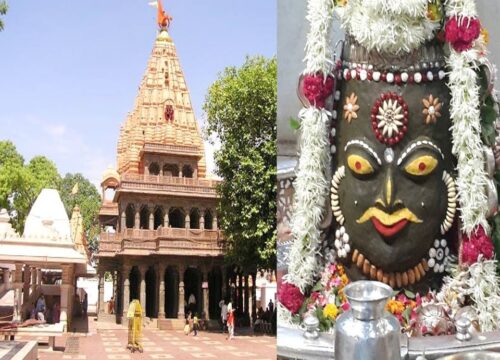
x: 55, y: 129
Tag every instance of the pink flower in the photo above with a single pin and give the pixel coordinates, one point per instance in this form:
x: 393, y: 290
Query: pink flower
x: 460, y: 33
x: 479, y: 243
x: 290, y: 297
x: 345, y: 306
x: 317, y: 90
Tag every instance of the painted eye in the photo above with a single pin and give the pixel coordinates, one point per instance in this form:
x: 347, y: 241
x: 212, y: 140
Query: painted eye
x: 421, y: 166
x: 359, y: 165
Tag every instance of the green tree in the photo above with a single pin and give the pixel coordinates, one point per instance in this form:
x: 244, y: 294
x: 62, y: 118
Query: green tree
x: 20, y: 183
x: 3, y: 10
x: 241, y: 111
x: 88, y: 200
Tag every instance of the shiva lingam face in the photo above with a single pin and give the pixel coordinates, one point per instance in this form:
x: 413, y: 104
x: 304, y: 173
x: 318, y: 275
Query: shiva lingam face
x: 393, y: 195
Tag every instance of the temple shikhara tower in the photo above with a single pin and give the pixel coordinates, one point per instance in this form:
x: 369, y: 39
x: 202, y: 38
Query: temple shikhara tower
x: 160, y: 242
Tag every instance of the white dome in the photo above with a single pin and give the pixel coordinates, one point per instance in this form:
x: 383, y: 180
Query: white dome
x: 48, y: 218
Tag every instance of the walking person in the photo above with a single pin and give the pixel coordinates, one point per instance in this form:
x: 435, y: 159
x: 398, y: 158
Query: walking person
x: 85, y: 304
x: 230, y: 324
x: 195, y: 324
x: 223, y: 316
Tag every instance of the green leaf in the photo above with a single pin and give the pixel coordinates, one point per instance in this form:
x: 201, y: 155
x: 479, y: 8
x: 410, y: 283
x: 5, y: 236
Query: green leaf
x: 409, y: 294
x: 318, y: 287
x: 407, y: 314
x: 294, y: 124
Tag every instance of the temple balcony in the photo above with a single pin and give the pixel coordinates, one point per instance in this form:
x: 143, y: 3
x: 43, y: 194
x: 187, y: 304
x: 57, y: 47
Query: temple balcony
x: 168, y: 185
x: 170, y: 149
x: 108, y: 208
x: 163, y: 241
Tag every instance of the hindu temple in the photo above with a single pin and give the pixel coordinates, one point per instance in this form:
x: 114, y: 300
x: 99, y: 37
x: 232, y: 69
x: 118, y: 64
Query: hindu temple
x: 161, y: 243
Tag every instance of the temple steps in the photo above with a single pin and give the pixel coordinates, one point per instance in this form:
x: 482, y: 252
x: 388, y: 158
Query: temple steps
x: 171, y: 324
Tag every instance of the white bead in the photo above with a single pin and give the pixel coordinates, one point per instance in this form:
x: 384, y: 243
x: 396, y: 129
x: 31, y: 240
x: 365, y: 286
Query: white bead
x: 446, y: 251
x: 436, y: 243
x: 390, y: 77
x: 432, y: 252
x: 334, y: 114
x: 439, y: 254
x: 431, y: 110
x: 337, y: 243
x: 436, y: 268
x: 441, y: 74
x: 333, y: 149
x: 441, y: 268
x: 376, y: 76
x: 404, y: 77
x: 349, y: 107
x: 342, y: 230
x: 333, y: 132
x: 337, y: 93
x: 346, y: 71
x: 342, y: 253
x: 353, y: 74
x: 345, y: 237
x: 363, y: 75
x: 430, y: 75
x: 431, y: 262
x: 443, y: 242
x: 417, y: 77
x: 337, y: 234
x: 347, y: 248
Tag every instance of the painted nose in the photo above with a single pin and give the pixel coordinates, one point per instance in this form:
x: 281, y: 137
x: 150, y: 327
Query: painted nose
x: 388, y: 191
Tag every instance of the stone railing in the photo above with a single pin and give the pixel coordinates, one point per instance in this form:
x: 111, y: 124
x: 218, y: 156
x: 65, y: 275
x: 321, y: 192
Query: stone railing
x: 172, y: 149
x: 169, y: 184
x: 109, y: 208
x: 167, y: 240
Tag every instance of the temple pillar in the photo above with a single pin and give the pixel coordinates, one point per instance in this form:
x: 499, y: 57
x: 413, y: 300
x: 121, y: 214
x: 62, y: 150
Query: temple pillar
x: 6, y: 278
x: 180, y: 311
x: 137, y: 219
x: 151, y: 218
x: 33, y: 280
x: 187, y: 220
x: 214, y: 222
x: 18, y: 296
x: 126, y: 288
x: 123, y: 221
x: 204, y: 286
x: 250, y: 299
x: 39, y: 277
x: 101, y: 306
x: 67, y: 296
x: 202, y: 219
x: 26, y: 283
x: 165, y: 219
x: 161, y: 292
x: 142, y: 296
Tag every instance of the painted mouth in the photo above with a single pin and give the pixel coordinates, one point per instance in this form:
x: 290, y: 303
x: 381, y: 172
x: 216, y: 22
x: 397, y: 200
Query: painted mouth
x: 388, y: 231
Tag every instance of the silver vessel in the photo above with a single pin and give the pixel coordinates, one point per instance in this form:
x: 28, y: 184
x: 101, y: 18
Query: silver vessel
x: 367, y: 331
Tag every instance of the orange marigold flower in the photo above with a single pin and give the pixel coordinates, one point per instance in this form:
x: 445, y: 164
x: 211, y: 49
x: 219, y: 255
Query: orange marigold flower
x: 330, y: 311
x: 486, y: 35
x: 395, y: 307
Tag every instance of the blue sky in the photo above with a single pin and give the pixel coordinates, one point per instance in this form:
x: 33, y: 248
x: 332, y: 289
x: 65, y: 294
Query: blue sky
x: 70, y: 70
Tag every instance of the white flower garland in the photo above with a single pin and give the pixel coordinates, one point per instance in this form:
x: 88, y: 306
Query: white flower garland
x: 388, y: 26
x: 311, y: 193
x: 318, y: 46
x: 466, y: 129
x: 479, y: 282
x: 311, y: 185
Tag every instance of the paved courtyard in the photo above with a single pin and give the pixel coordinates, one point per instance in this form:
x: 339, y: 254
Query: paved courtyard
x: 160, y: 344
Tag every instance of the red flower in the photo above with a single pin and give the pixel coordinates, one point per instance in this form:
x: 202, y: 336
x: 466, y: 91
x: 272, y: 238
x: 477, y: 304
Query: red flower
x: 478, y: 243
x: 317, y: 90
x: 290, y: 297
x: 460, y: 33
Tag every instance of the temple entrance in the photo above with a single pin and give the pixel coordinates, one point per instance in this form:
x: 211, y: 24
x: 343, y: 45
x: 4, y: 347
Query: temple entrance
x: 192, y: 291
x: 171, y: 292
x: 135, y: 284
x: 214, y: 293
x: 151, y: 293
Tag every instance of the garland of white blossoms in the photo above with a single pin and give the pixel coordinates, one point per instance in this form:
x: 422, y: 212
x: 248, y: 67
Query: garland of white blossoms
x: 311, y: 185
x: 391, y: 26
x: 466, y: 130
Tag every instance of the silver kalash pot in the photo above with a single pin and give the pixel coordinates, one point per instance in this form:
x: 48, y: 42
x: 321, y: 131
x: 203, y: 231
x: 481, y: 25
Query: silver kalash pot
x: 367, y: 331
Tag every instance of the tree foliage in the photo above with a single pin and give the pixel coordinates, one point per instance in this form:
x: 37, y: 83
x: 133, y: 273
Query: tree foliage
x: 20, y: 185
x: 3, y: 10
x: 241, y: 111
x: 88, y: 200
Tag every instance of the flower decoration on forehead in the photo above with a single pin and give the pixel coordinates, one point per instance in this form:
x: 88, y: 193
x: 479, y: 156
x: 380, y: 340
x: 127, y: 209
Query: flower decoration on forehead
x: 389, y: 118
x: 432, y: 108
x: 351, y: 108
